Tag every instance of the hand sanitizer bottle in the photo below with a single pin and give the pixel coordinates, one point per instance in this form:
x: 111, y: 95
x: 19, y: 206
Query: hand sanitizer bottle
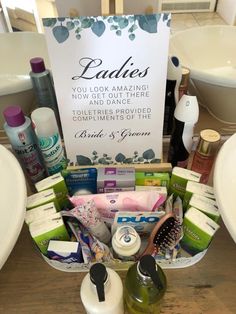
x: 102, y: 291
x: 145, y: 285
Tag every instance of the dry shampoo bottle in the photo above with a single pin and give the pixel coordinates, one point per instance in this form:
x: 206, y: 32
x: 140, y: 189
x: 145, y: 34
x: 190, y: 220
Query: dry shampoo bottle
x: 49, y: 139
x: 43, y: 87
x: 24, y: 143
x: 145, y: 285
x: 102, y: 291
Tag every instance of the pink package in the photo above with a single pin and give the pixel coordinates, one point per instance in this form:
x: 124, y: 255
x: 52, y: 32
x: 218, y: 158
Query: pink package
x: 110, y: 203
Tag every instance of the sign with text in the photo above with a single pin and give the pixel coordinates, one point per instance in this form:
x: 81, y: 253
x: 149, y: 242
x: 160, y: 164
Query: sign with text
x: 110, y: 79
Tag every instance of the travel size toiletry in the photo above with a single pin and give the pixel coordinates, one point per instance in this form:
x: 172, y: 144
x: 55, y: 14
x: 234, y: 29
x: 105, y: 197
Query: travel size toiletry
x: 24, y: 143
x: 101, y: 291
x: 43, y: 87
x: 39, y: 212
x: 42, y: 198
x: 46, y: 129
x: 205, y: 153
x: 205, y: 205
x: 64, y: 251
x: 198, y: 189
x: 145, y: 286
x: 57, y: 183
x: 174, y: 75
x: 179, y: 180
x: 150, y: 178
x: 110, y: 203
x: 112, y: 179
x: 199, y: 230
x: 81, y: 181
x: 126, y: 243
x: 185, y: 117
x: 90, y: 218
x: 46, y: 229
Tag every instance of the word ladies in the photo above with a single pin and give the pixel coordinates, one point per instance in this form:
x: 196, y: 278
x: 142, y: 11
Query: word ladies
x: 91, y: 70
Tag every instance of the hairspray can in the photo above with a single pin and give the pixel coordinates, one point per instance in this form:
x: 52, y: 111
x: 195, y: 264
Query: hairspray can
x: 24, y: 143
x: 43, y: 87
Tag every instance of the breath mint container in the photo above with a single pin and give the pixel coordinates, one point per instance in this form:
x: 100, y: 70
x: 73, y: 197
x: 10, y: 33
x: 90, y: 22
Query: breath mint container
x: 47, y: 131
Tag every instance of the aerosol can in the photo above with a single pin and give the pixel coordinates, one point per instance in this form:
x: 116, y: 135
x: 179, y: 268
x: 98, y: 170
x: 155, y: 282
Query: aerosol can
x: 174, y: 75
x: 185, y: 117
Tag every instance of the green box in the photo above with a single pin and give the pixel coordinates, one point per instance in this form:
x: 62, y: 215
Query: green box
x: 179, y: 180
x: 39, y: 212
x: 57, y: 183
x: 42, y: 198
x: 199, y: 189
x: 49, y: 228
x: 199, y: 230
x: 205, y: 205
x: 152, y: 178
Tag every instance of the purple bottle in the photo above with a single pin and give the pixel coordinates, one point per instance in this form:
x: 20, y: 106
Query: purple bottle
x: 24, y: 142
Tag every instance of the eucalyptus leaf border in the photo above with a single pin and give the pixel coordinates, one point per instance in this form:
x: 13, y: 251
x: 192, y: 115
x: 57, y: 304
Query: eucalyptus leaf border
x: 62, y: 27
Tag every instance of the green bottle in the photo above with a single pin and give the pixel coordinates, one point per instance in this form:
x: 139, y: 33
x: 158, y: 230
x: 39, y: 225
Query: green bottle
x: 145, y: 286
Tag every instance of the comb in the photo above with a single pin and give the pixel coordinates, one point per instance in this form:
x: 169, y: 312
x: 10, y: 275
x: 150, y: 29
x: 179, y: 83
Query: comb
x: 165, y: 234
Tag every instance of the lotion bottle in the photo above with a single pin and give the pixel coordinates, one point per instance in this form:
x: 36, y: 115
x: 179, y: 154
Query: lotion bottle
x: 185, y: 117
x: 145, y: 286
x: 49, y: 139
x: 102, y: 291
x: 43, y: 87
x: 24, y: 143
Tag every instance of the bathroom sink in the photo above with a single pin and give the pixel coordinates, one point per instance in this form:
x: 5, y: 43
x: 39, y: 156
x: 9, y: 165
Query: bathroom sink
x: 12, y: 200
x: 224, y: 180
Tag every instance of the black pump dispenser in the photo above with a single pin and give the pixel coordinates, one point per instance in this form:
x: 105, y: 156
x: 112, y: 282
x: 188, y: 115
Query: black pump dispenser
x: 98, y: 276
x: 147, y: 267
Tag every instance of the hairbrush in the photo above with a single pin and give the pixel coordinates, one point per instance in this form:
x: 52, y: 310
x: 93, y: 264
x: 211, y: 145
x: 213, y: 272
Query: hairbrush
x: 164, y: 235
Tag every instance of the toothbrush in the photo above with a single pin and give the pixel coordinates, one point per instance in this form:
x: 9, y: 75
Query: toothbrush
x: 185, y: 117
x: 174, y: 76
x: 165, y: 235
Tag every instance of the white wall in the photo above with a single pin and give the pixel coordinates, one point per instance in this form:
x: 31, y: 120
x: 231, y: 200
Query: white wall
x: 227, y: 10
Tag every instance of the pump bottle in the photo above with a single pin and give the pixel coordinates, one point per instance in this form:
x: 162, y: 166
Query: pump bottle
x: 185, y: 117
x: 102, y: 291
x: 145, y: 286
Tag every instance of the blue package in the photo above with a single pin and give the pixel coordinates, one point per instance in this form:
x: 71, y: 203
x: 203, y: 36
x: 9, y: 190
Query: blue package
x: 81, y: 181
x: 65, y: 251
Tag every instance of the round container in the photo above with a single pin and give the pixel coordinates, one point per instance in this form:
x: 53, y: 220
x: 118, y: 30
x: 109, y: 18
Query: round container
x: 126, y: 243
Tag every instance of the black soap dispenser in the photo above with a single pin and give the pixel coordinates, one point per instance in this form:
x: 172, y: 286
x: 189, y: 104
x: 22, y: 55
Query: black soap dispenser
x: 102, y: 291
x: 145, y: 286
